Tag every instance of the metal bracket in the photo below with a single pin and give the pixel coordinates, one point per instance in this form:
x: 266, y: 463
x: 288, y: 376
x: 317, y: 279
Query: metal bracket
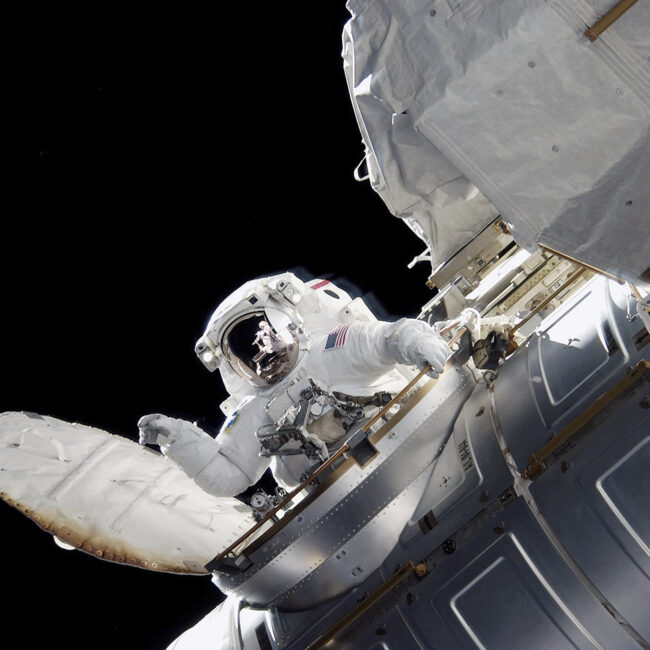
x: 401, y: 574
x: 230, y: 565
x: 608, y: 19
x: 361, y: 449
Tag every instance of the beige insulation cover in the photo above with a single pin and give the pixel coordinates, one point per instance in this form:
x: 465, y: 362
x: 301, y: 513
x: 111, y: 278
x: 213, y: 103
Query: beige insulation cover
x: 110, y: 497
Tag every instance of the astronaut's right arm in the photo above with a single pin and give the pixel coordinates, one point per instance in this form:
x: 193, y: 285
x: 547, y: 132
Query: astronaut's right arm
x: 223, y: 466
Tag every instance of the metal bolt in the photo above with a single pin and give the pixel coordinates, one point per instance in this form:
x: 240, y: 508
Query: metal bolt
x: 449, y: 546
x: 421, y: 570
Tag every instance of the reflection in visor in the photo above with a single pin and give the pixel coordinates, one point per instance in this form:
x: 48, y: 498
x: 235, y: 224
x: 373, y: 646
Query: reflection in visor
x: 257, y: 352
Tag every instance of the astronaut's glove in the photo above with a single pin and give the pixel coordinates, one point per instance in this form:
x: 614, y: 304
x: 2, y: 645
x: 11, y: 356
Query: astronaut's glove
x: 416, y: 343
x: 158, y: 429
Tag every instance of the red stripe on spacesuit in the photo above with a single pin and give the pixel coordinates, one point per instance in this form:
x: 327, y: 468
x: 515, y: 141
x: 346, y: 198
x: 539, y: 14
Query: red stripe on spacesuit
x: 340, y: 339
x: 321, y: 284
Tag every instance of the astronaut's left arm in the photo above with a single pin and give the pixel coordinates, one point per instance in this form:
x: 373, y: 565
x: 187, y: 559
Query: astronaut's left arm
x: 223, y: 466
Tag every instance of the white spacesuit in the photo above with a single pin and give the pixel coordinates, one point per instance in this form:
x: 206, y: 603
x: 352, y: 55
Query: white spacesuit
x: 302, y: 362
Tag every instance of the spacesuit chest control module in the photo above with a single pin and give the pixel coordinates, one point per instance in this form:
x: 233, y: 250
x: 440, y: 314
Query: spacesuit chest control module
x: 303, y: 363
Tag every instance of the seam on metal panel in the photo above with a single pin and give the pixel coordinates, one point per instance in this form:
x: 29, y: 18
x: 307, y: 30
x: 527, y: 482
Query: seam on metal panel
x: 521, y: 488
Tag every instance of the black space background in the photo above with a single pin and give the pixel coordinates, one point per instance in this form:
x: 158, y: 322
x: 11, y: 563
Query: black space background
x: 164, y: 159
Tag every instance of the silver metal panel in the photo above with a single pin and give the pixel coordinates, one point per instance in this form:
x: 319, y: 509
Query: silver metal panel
x: 385, y: 626
x: 579, y: 352
x: 625, y: 488
x: 470, y: 473
x: 508, y: 587
x: 298, y: 629
x: 358, y: 557
x: 499, y: 604
x: 347, y: 532
x: 390, y: 627
x: 578, y: 346
x: 596, y: 501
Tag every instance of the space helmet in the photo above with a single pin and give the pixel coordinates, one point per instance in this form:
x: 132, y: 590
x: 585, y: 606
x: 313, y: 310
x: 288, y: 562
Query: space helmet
x: 257, y: 332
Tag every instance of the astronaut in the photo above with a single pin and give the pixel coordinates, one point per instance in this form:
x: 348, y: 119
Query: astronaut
x: 303, y: 363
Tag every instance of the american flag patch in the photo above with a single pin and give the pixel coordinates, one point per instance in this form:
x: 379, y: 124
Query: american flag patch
x: 336, y: 338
